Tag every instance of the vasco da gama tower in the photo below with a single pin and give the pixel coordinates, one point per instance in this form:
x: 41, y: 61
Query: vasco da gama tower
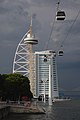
x: 34, y: 66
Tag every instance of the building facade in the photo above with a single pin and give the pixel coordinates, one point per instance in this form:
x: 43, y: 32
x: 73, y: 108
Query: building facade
x: 42, y: 73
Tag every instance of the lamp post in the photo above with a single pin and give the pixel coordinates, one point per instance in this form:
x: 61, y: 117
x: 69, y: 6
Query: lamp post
x: 50, y: 85
x: 50, y: 77
x: 44, y: 81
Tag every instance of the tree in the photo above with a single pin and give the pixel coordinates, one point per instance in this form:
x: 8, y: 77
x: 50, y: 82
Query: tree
x: 15, y: 86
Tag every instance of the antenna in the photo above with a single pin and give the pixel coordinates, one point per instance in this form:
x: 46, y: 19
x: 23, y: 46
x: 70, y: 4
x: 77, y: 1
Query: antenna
x: 31, y: 27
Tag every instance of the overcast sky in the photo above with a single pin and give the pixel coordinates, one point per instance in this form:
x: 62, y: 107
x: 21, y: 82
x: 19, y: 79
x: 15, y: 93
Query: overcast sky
x: 14, y: 23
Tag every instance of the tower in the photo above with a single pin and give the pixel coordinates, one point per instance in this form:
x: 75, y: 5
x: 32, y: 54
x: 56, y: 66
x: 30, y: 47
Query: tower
x: 23, y: 60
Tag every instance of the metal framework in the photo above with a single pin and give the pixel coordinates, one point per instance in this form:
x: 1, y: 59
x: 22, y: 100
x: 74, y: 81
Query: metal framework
x: 23, y: 59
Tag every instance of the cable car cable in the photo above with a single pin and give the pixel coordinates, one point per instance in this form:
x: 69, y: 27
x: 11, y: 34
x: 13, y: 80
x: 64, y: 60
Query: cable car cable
x: 52, y: 26
x: 50, y: 33
x: 62, y: 12
x: 68, y: 33
x: 58, y: 3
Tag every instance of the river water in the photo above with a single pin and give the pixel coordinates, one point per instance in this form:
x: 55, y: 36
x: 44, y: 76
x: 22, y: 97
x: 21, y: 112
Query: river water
x: 62, y: 110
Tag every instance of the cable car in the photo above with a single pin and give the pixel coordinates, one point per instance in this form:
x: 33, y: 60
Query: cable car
x: 45, y: 58
x: 54, y: 53
x: 60, y: 53
x: 60, y: 15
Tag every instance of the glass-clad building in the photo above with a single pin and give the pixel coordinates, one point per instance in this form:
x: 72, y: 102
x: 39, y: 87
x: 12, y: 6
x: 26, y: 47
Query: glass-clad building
x: 42, y: 73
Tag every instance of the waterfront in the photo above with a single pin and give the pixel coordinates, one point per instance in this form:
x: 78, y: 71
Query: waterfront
x: 63, y: 110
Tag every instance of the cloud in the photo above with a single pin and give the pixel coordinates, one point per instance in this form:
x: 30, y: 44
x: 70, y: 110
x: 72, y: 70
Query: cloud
x: 15, y: 21
x: 42, y: 2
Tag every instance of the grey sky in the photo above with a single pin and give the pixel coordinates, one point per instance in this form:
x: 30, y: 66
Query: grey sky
x: 14, y: 23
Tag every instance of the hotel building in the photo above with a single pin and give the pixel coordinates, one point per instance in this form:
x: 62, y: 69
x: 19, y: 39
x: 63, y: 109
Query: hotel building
x: 42, y: 73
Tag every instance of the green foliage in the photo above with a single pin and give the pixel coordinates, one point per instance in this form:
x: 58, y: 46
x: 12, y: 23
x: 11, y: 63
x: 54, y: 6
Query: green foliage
x: 13, y: 86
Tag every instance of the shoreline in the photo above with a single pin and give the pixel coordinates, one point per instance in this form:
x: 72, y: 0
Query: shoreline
x: 23, y: 109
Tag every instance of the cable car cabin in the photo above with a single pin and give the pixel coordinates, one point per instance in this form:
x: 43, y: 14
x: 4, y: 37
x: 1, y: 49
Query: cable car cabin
x: 60, y: 53
x: 60, y: 15
x: 45, y: 58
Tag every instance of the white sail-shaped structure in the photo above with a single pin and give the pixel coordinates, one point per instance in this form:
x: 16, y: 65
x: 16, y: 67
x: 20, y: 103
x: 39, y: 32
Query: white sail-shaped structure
x: 23, y: 59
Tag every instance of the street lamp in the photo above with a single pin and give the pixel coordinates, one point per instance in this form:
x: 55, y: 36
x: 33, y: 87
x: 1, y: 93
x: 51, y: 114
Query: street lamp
x: 44, y: 81
x: 50, y: 77
x: 50, y: 85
